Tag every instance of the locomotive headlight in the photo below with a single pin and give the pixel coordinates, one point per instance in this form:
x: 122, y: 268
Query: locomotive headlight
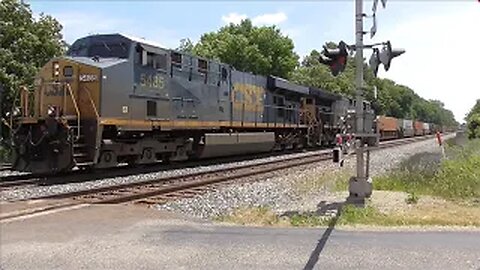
x: 56, y: 69
x: 51, y: 110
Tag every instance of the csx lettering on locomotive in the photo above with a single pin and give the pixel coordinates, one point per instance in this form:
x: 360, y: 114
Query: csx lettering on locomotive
x: 152, y: 81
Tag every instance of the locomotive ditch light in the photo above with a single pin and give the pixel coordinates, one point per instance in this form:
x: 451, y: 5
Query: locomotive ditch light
x: 15, y: 112
x: 387, y: 54
x: 56, y: 69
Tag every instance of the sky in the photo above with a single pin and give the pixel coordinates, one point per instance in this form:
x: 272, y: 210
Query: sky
x: 441, y: 38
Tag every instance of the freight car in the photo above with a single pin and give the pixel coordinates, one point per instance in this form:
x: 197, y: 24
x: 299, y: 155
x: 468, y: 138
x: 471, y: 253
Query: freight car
x: 406, y: 128
x: 418, y: 127
x: 388, y: 127
x: 393, y: 128
x: 118, y: 99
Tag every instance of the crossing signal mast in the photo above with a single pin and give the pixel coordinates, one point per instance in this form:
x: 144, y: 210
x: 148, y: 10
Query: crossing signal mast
x: 360, y: 186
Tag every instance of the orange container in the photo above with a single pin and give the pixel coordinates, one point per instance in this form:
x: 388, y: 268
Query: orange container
x: 386, y: 123
x: 418, y: 125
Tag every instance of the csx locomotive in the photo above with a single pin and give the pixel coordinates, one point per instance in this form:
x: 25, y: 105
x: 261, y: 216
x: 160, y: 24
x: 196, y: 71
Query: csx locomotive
x: 117, y: 99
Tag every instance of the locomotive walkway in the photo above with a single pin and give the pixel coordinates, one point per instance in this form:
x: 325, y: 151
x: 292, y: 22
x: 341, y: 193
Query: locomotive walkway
x: 129, y: 237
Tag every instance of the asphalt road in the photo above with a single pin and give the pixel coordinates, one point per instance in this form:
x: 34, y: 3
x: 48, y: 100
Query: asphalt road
x: 113, y: 237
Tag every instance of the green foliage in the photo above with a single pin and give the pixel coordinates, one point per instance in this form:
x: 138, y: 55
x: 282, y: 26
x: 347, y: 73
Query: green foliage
x: 473, y: 121
x: 362, y: 215
x: 412, y: 198
x: 186, y: 46
x: 262, y: 50
x: 25, y: 45
x: 369, y: 215
x: 308, y: 220
x: 457, y: 177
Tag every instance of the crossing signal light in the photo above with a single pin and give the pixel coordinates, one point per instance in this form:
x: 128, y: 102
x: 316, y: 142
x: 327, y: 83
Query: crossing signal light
x: 374, y: 61
x: 336, y: 59
x: 384, y: 57
x: 387, y: 54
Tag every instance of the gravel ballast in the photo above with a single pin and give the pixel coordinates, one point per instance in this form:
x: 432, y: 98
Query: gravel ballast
x: 279, y: 191
x: 40, y: 191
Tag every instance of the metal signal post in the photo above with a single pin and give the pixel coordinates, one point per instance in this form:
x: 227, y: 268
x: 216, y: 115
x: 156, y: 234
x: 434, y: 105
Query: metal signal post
x: 360, y: 185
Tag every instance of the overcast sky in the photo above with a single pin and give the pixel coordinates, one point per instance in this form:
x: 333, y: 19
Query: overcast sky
x: 441, y: 37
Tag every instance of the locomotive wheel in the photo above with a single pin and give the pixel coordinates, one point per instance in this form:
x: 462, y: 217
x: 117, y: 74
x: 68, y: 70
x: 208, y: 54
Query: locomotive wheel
x: 107, y: 159
x: 148, y: 156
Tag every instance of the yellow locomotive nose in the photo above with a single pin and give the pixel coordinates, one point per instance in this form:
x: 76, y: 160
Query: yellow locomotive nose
x: 51, y: 129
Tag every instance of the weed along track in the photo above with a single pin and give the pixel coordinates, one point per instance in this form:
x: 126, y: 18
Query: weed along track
x: 161, y: 190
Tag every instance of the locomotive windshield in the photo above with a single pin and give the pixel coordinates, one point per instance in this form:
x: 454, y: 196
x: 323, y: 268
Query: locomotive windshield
x: 101, y: 46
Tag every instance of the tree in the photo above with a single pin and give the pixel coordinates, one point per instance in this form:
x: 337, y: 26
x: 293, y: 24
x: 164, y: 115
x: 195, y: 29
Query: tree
x: 26, y: 44
x: 186, y: 46
x: 262, y: 50
x: 473, y: 121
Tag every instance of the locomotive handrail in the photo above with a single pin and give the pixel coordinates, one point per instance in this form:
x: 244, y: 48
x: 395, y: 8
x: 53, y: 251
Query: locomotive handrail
x: 97, y: 116
x: 76, y: 108
x: 24, y: 100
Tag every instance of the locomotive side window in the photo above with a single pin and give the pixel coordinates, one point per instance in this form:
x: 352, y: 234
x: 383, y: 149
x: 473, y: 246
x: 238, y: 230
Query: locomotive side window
x: 224, y: 74
x: 202, y: 66
x: 279, y: 101
x: 203, y: 69
x: 176, y: 60
x: 156, y: 61
x: 151, y: 108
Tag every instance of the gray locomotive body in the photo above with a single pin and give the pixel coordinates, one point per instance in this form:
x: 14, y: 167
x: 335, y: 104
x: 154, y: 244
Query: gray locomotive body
x: 123, y: 99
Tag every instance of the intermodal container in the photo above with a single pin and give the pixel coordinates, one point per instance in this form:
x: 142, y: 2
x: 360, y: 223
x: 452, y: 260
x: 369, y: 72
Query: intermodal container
x: 426, y: 128
x: 406, y: 127
x: 418, y: 125
x: 386, y: 123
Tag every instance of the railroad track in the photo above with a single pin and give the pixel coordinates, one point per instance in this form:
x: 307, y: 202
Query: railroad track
x: 140, y: 190
x: 5, y: 167
x: 75, y: 176
x: 163, y: 189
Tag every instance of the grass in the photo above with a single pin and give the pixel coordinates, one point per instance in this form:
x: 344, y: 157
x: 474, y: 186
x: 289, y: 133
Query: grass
x: 441, y: 214
x: 455, y: 178
x: 412, y: 198
x: 252, y: 216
